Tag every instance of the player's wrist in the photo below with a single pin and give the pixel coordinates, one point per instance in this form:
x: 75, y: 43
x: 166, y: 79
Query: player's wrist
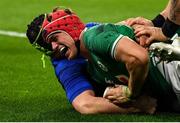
x: 126, y: 91
x: 158, y: 21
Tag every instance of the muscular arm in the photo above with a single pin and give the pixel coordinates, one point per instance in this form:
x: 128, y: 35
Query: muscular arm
x: 87, y: 103
x: 136, y: 59
x: 80, y: 92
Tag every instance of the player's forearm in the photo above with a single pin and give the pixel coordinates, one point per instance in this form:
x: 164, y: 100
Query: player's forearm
x: 87, y: 103
x: 174, y: 13
x: 102, y: 105
x: 136, y: 60
x: 166, y: 11
x: 172, y: 22
x: 138, y: 72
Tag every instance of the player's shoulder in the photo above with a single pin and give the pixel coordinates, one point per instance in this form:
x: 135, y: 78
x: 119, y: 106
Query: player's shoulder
x: 106, y: 27
x: 100, y: 28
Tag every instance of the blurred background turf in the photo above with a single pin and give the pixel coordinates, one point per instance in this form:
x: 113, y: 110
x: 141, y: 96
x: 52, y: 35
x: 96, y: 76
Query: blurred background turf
x: 29, y: 92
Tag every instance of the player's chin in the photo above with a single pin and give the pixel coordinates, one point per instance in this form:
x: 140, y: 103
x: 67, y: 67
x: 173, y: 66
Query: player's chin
x: 72, y: 56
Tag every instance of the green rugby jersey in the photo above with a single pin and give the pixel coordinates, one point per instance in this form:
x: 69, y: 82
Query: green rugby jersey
x: 101, y: 41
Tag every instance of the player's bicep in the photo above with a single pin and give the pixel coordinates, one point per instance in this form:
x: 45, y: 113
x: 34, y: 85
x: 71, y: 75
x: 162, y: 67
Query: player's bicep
x: 126, y: 48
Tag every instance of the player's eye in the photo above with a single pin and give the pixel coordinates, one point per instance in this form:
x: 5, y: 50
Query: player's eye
x: 53, y: 39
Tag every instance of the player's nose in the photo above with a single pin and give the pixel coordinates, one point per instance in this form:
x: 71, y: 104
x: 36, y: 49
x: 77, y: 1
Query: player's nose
x: 54, y: 45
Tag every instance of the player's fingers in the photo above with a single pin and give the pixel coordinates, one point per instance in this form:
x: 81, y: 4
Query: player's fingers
x: 111, y: 97
x: 137, y: 20
x: 107, y: 92
x: 128, y: 21
x: 143, y: 32
x: 138, y: 40
x: 143, y: 40
x: 139, y: 28
x: 132, y: 21
x: 140, y: 33
x: 149, y: 40
x: 112, y: 92
x: 142, y: 43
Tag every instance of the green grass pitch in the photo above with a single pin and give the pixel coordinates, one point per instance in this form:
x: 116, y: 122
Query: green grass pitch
x: 29, y: 92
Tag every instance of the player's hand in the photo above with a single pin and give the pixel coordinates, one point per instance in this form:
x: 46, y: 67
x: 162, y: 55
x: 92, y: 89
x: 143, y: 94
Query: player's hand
x: 153, y: 34
x: 118, y: 94
x: 141, y: 40
x: 144, y: 103
x: 139, y: 21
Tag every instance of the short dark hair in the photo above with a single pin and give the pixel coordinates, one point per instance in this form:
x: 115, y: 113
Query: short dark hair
x: 33, y: 30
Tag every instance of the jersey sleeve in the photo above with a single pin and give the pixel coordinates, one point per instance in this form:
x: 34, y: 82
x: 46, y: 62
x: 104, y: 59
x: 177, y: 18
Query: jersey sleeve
x: 70, y: 74
x: 102, y: 39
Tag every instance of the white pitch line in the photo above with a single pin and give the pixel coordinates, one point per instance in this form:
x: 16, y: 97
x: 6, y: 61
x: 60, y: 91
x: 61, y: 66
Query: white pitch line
x: 12, y: 33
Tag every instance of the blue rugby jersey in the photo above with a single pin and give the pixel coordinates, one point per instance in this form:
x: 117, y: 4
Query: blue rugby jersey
x: 72, y: 76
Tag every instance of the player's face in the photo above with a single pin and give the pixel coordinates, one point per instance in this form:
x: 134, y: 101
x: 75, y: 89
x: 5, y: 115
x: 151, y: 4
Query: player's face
x: 63, y: 45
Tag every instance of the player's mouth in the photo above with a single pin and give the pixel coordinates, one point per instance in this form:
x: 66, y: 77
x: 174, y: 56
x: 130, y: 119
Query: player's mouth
x: 63, y: 50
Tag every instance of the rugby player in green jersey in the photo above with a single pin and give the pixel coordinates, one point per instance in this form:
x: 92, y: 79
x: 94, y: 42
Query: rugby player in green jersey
x: 114, y: 58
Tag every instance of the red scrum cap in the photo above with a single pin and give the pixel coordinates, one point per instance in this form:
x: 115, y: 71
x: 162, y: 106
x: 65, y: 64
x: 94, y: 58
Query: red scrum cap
x: 63, y: 20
